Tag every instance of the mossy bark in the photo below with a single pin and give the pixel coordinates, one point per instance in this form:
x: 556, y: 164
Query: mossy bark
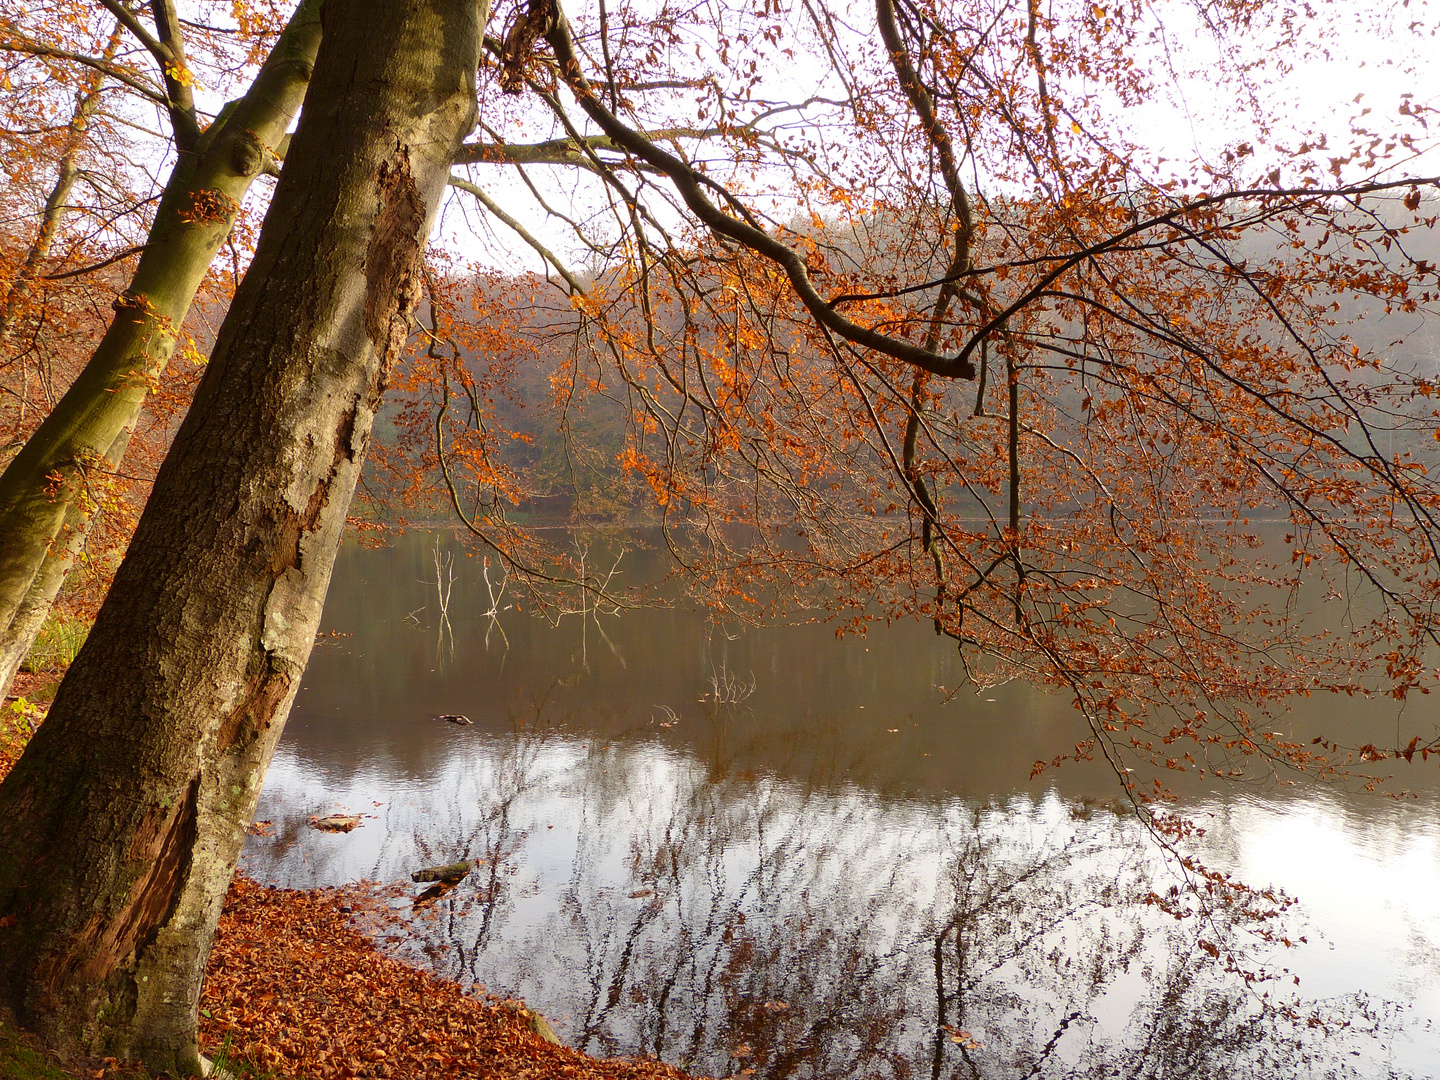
x: 89, y: 428
x: 121, y: 824
x: 18, y: 638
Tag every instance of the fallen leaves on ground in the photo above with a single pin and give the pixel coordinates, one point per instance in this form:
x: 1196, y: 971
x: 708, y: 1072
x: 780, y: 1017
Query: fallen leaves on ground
x: 19, y: 718
x: 299, y: 992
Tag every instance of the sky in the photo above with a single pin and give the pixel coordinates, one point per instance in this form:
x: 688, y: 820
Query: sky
x: 1358, y: 63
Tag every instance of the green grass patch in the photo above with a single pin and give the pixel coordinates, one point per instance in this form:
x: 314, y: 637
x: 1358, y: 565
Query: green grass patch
x: 19, y: 1060
x: 224, y: 1062
x: 57, y: 644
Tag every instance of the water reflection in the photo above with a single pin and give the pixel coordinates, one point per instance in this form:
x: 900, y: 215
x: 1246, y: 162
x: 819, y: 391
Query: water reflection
x: 731, y: 923
x: 779, y: 855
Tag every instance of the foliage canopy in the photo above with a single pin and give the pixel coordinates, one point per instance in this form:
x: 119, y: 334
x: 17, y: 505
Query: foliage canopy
x: 919, y: 293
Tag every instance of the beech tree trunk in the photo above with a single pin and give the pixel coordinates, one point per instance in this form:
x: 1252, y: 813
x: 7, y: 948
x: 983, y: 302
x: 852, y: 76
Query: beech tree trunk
x: 121, y: 825
x: 19, y: 636
x: 90, y: 427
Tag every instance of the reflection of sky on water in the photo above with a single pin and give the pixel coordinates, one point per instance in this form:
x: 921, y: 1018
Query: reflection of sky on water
x: 1369, y: 885
x: 813, y: 882
x: 646, y: 906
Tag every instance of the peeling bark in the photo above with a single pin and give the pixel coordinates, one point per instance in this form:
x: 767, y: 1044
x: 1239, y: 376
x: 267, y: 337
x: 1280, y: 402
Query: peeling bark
x: 121, y: 824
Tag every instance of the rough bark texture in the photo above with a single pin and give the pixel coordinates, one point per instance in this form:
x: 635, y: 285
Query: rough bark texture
x: 91, y: 423
x: 120, y: 827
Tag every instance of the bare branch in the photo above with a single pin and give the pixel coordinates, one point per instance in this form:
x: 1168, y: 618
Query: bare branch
x: 520, y: 231
x: 563, y: 151
x: 691, y: 184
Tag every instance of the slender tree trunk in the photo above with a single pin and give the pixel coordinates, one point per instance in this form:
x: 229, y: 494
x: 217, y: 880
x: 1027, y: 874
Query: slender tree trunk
x: 121, y: 824
x: 87, y: 101
x: 92, y: 421
x: 17, y: 639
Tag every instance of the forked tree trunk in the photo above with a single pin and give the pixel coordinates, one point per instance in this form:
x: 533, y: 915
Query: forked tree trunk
x: 121, y: 825
x: 89, y: 428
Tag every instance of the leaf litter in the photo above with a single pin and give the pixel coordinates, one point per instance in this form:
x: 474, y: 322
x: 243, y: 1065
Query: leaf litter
x: 295, y: 990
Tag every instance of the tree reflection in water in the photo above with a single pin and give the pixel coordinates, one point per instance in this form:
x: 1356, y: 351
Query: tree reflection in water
x: 736, y: 925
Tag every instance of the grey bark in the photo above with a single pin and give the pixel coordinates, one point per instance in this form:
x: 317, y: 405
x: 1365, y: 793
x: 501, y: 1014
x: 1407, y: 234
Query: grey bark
x: 121, y: 824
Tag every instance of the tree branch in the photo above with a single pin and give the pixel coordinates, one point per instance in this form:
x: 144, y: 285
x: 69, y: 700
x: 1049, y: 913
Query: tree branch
x: 1209, y: 202
x: 520, y: 231
x: 563, y: 151
x: 135, y: 250
x: 127, y: 18
x: 690, y: 185
x: 177, y: 75
x: 120, y: 75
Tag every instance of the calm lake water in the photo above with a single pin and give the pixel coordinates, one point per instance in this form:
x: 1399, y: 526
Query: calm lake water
x: 776, y: 854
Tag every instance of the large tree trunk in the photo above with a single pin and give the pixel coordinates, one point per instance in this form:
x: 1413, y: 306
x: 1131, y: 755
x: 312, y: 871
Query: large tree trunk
x: 90, y: 426
x: 121, y: 825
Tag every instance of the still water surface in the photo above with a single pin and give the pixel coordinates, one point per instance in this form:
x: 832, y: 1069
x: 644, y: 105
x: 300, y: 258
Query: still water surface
x: 773, y: 853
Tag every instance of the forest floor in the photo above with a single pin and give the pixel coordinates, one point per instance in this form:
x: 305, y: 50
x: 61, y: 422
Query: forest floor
x: 295, y: 990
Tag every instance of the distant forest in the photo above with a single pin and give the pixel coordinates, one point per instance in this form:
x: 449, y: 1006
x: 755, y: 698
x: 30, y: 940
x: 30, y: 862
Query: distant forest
x: 561, y: 418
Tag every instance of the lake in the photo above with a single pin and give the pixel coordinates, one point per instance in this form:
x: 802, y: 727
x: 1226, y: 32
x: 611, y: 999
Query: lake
x: 772, y: 853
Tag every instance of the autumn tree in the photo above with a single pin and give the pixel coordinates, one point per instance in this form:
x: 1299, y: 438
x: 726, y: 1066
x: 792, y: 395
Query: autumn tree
x: 1120, y: 368
x: 117, y: 901
x: 51, y: 487
x: 940, y: 333
x: 1112, y: 368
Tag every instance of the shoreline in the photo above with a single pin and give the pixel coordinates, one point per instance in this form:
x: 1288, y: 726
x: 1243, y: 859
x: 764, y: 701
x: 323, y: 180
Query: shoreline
x: 294, y: 989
